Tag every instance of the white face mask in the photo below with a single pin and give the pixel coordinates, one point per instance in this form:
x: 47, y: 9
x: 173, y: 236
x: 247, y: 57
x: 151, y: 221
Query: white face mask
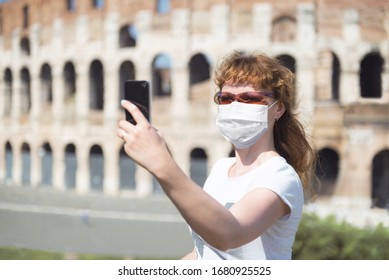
x: 242, y: 124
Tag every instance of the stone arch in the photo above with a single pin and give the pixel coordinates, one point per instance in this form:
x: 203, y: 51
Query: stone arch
x: 70, y: 162
x: 26, y: 164
x: 380, y: 180
x: 126, y: 72
x: 198, y: 166
x: 46, y: 89
x: 8, y: 163
x: 199, y: 77
x: 25, y: 90
x: 288, y: 61
x: 25, y: 46
x: 46, y: 155
x: 127, y: 171
x: 127, y: 36
x: 370, y: 80
x: 327, y: 169
x: 69, y: 78
x: 284, y: 29
x: 96, y: 168
x: 96, y: 85
x: 161, y: 75
x: 8, y: 79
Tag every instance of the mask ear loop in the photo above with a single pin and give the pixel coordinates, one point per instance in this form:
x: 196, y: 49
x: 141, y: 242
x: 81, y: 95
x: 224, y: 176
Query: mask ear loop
x: 274, y: 118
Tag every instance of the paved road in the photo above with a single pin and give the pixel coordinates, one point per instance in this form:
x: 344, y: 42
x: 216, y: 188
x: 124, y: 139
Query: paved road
x: 126, y: 227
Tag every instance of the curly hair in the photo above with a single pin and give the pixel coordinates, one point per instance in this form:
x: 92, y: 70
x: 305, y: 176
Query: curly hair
x: 291, y: 141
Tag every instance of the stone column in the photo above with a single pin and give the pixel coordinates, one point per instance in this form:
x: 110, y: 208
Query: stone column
x: 111, y: 168
x: 36, y: 165
x: 58, y: 167
x: 354, y: 183
x: 111, y: 94
x: 36, y: 100
x: 58, y: 94
x: 306, y: 25
x: 349, y: 84
x: 180, y: 94
x: 351, y: 26
x: 82, y: 94
x: 262, y: 18
x: 220, y: 22
x: 144, y: 182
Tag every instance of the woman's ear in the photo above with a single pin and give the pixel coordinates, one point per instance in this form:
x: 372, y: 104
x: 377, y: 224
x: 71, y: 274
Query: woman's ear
x: 280, y: 110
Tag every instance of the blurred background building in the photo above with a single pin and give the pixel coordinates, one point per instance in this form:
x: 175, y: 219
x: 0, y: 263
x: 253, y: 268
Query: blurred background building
x: 63, y: 65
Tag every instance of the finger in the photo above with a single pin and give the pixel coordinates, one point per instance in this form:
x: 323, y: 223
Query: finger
x: 125, y: 126
x: 134, y: 111
x: 121, y: 133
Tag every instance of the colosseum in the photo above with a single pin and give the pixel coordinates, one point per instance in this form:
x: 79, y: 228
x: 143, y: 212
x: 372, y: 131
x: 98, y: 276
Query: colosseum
x: 63, y: 65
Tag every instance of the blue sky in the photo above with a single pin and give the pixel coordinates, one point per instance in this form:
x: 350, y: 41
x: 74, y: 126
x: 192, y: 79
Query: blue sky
x: 2, y: 1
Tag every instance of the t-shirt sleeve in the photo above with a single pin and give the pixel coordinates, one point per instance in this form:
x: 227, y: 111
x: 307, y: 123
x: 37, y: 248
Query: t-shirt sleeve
x: 284, y: 181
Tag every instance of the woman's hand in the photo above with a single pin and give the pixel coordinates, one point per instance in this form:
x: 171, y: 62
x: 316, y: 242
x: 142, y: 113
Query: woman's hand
x: 142, y: 142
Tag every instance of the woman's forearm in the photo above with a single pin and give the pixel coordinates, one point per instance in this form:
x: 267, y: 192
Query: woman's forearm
x: 207, y: 217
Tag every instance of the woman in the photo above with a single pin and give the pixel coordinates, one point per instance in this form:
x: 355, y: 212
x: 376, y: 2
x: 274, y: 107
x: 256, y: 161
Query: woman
x: 251, y: 205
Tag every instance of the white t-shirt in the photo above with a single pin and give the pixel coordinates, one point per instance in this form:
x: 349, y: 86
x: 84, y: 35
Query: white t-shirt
x: 276, y: 175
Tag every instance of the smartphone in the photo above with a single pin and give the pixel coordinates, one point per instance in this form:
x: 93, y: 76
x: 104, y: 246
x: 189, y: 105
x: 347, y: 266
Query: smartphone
x: 138, y: 93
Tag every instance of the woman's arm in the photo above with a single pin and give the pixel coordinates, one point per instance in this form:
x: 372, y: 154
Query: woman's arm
x: 221, y: 228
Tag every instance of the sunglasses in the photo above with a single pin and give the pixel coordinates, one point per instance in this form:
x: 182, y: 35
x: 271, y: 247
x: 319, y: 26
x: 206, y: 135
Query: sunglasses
x: 249, y: 97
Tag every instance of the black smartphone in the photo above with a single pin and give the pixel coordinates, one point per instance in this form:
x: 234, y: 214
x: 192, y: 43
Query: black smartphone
x: 138, y: 93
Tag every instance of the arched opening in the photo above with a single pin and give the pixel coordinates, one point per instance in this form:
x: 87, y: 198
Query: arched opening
x: 70, y: 166
x: 26, y: 165
x: 288, y: 61
x: 161, y: 75
x: 8, y: 163
x: 127, y: 169
x: 198, y: 69
x: 370, y: 75
x: 199, y: 77
x: 96, y: 168
x: 163, y: 6
x: 69, y: 83
x: 71, y: 5
x: 127, y: 72
x: 25, y: 46
x: 7, y: 92
x: 25, y: 91
x: 96, y: 86
x: 380, y: 180
x: 46, y: 89
x: 47, y: 165
x: 69, y: 77
x: 198, y: 166
x: 284, y: 29
x: 98, y: 4
x: 327, y: 170
x: 335, y: 77
x: 127, y: 36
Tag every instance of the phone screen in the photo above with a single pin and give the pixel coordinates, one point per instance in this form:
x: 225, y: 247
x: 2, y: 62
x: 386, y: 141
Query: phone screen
x: 138, y: 92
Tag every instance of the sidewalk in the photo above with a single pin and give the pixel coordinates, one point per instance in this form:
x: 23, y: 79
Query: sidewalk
x: 63, y: 221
